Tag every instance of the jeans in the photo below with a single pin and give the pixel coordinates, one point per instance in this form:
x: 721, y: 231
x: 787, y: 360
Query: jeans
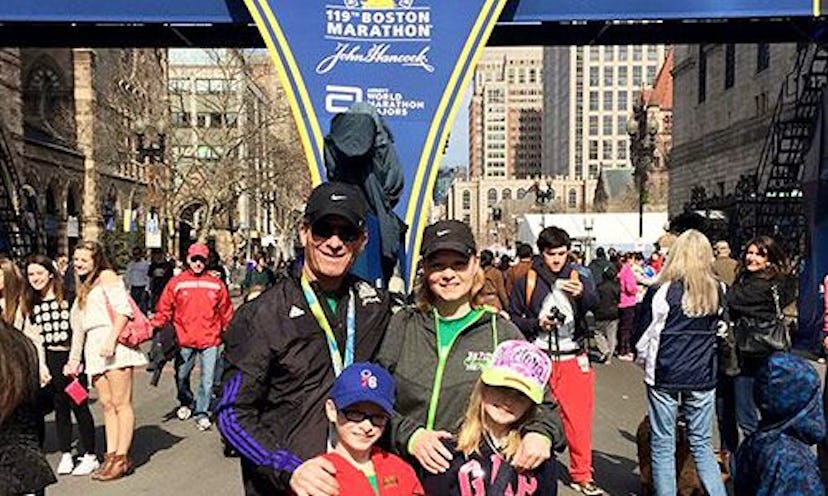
x: 207, y: 359
x: 747, y: 413
x: 606, y: 336
x: 697, y: 407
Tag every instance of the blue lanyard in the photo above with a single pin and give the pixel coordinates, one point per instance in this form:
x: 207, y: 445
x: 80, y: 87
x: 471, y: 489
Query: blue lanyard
x: 350, y: 323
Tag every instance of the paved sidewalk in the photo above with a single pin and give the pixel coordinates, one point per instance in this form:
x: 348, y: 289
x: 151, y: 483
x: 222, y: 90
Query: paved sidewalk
x: 174, y: 458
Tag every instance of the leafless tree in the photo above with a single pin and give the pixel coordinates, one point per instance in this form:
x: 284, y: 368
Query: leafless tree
x: 234, y: 138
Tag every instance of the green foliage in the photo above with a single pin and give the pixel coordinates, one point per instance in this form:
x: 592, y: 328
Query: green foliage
x: 118, y: 246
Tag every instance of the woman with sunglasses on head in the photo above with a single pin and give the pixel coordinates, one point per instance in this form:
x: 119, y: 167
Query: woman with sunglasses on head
x: 46, y: 313
x: 764, y: 285
x: 98, y: 316
x: 437, y: 349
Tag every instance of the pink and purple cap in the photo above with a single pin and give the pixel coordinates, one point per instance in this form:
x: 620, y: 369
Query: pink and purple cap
x: 519, y: 365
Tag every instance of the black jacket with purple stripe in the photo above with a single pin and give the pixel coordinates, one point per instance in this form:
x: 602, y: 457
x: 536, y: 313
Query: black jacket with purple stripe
x: 280, y: 374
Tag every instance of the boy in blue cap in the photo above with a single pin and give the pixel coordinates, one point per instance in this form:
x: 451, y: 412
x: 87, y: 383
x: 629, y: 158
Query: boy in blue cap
x: 360, y: 405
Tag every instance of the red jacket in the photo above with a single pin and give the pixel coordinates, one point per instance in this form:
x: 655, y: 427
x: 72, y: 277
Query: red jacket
x: 394, y: 476
x: 199, y: 307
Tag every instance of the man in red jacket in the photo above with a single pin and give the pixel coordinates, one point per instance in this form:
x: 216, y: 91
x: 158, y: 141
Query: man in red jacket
x: 199, y: 306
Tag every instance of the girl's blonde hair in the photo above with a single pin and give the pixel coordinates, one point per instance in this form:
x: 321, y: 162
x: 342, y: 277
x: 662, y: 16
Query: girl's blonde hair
x: 83, y: 287
x: 426, y: 298
x: 472, y: 430
x: 690, y: 261
x: 12, y: 289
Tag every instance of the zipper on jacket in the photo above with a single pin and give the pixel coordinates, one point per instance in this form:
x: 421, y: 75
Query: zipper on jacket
x: 442, y: 358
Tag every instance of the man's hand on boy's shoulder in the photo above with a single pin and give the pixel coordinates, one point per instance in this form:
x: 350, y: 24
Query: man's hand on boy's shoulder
x: 315, y: 477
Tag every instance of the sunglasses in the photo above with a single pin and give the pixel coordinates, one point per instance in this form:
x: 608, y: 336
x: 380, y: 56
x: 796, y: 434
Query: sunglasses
x: 325, y: 230
x: 198, y: 259
x: 358, y: 416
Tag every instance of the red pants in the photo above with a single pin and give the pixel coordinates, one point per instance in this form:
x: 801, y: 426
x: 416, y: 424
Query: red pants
x: 575, y: 392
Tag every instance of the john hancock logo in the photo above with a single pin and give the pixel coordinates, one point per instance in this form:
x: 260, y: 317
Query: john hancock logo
x: 385, y: 32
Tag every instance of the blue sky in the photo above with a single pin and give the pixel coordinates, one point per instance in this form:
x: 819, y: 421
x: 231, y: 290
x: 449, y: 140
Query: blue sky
x: 458, y: 150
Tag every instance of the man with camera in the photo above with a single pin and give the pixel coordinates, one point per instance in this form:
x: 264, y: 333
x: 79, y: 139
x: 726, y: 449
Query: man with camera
x: 549, y: 305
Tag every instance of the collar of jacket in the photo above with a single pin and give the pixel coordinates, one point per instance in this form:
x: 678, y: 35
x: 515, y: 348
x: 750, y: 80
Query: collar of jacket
x: 348, y: 282
x: 428, y: 321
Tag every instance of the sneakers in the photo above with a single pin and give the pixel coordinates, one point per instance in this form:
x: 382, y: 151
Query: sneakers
x: 86, y: 465
x: 588, y: 488
x: 626, y: 358
x: 184, y: 412
x: 66, y: 465
x: 203, y: 424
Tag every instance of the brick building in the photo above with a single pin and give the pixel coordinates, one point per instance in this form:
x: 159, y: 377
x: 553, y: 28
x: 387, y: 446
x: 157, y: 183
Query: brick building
x: 506, y: 114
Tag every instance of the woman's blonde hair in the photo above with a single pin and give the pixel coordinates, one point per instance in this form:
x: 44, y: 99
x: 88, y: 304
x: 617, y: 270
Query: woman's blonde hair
x: 472, y: 430
x: 12, y: 289
x: 85, y: 285
x: 426, y: 298
x: 690, y: 261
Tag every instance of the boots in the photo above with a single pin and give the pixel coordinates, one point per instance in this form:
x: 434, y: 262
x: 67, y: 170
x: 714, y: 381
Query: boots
x: 104, y: 468
x: 120, y: 466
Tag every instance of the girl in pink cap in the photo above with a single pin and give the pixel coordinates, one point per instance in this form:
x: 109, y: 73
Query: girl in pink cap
x: 504, y: 399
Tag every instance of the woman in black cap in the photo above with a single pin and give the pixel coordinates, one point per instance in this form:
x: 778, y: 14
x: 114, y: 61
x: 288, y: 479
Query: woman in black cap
x: 435, y: 351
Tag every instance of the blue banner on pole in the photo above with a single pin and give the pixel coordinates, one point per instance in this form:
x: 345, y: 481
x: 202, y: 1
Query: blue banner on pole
x: 411, y: 59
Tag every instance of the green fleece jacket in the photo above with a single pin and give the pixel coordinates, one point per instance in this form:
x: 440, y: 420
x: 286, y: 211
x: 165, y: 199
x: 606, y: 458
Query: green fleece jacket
x: 409, y: 352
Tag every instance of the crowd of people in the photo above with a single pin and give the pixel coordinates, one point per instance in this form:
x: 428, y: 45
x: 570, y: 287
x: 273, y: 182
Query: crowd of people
x: 324, y: 384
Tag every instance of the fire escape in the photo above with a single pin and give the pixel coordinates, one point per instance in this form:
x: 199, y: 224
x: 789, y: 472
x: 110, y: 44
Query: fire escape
x: 19, y: 232
x: 770, y: 201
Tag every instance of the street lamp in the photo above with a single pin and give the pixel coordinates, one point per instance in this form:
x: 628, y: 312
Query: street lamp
x: 588, y: 226
x: 642, y: 127
x: 150, y: 149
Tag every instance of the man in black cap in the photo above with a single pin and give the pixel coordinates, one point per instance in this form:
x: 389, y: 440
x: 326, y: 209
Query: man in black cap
x: 286, y: 347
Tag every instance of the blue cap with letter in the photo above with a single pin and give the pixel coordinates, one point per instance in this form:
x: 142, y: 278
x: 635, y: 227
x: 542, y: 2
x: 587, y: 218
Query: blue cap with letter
x: 364, y: 382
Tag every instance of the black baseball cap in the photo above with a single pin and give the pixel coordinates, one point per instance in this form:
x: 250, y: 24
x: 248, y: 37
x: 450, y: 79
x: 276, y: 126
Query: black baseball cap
x: 335, y: 198
x: 448, y: 235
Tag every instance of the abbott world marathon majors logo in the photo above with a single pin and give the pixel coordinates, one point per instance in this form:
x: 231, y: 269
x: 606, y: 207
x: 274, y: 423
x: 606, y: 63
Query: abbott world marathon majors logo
x: 389, y: 103
x: 383, y: 32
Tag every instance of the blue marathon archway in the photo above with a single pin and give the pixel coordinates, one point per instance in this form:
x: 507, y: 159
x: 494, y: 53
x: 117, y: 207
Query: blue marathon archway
x: 447, y: 40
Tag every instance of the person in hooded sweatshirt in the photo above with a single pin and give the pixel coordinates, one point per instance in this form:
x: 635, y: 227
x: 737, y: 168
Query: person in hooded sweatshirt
x: 777, y: 458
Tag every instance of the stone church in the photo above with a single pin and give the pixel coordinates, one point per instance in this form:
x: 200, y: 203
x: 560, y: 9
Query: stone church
x: 68, y: 127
